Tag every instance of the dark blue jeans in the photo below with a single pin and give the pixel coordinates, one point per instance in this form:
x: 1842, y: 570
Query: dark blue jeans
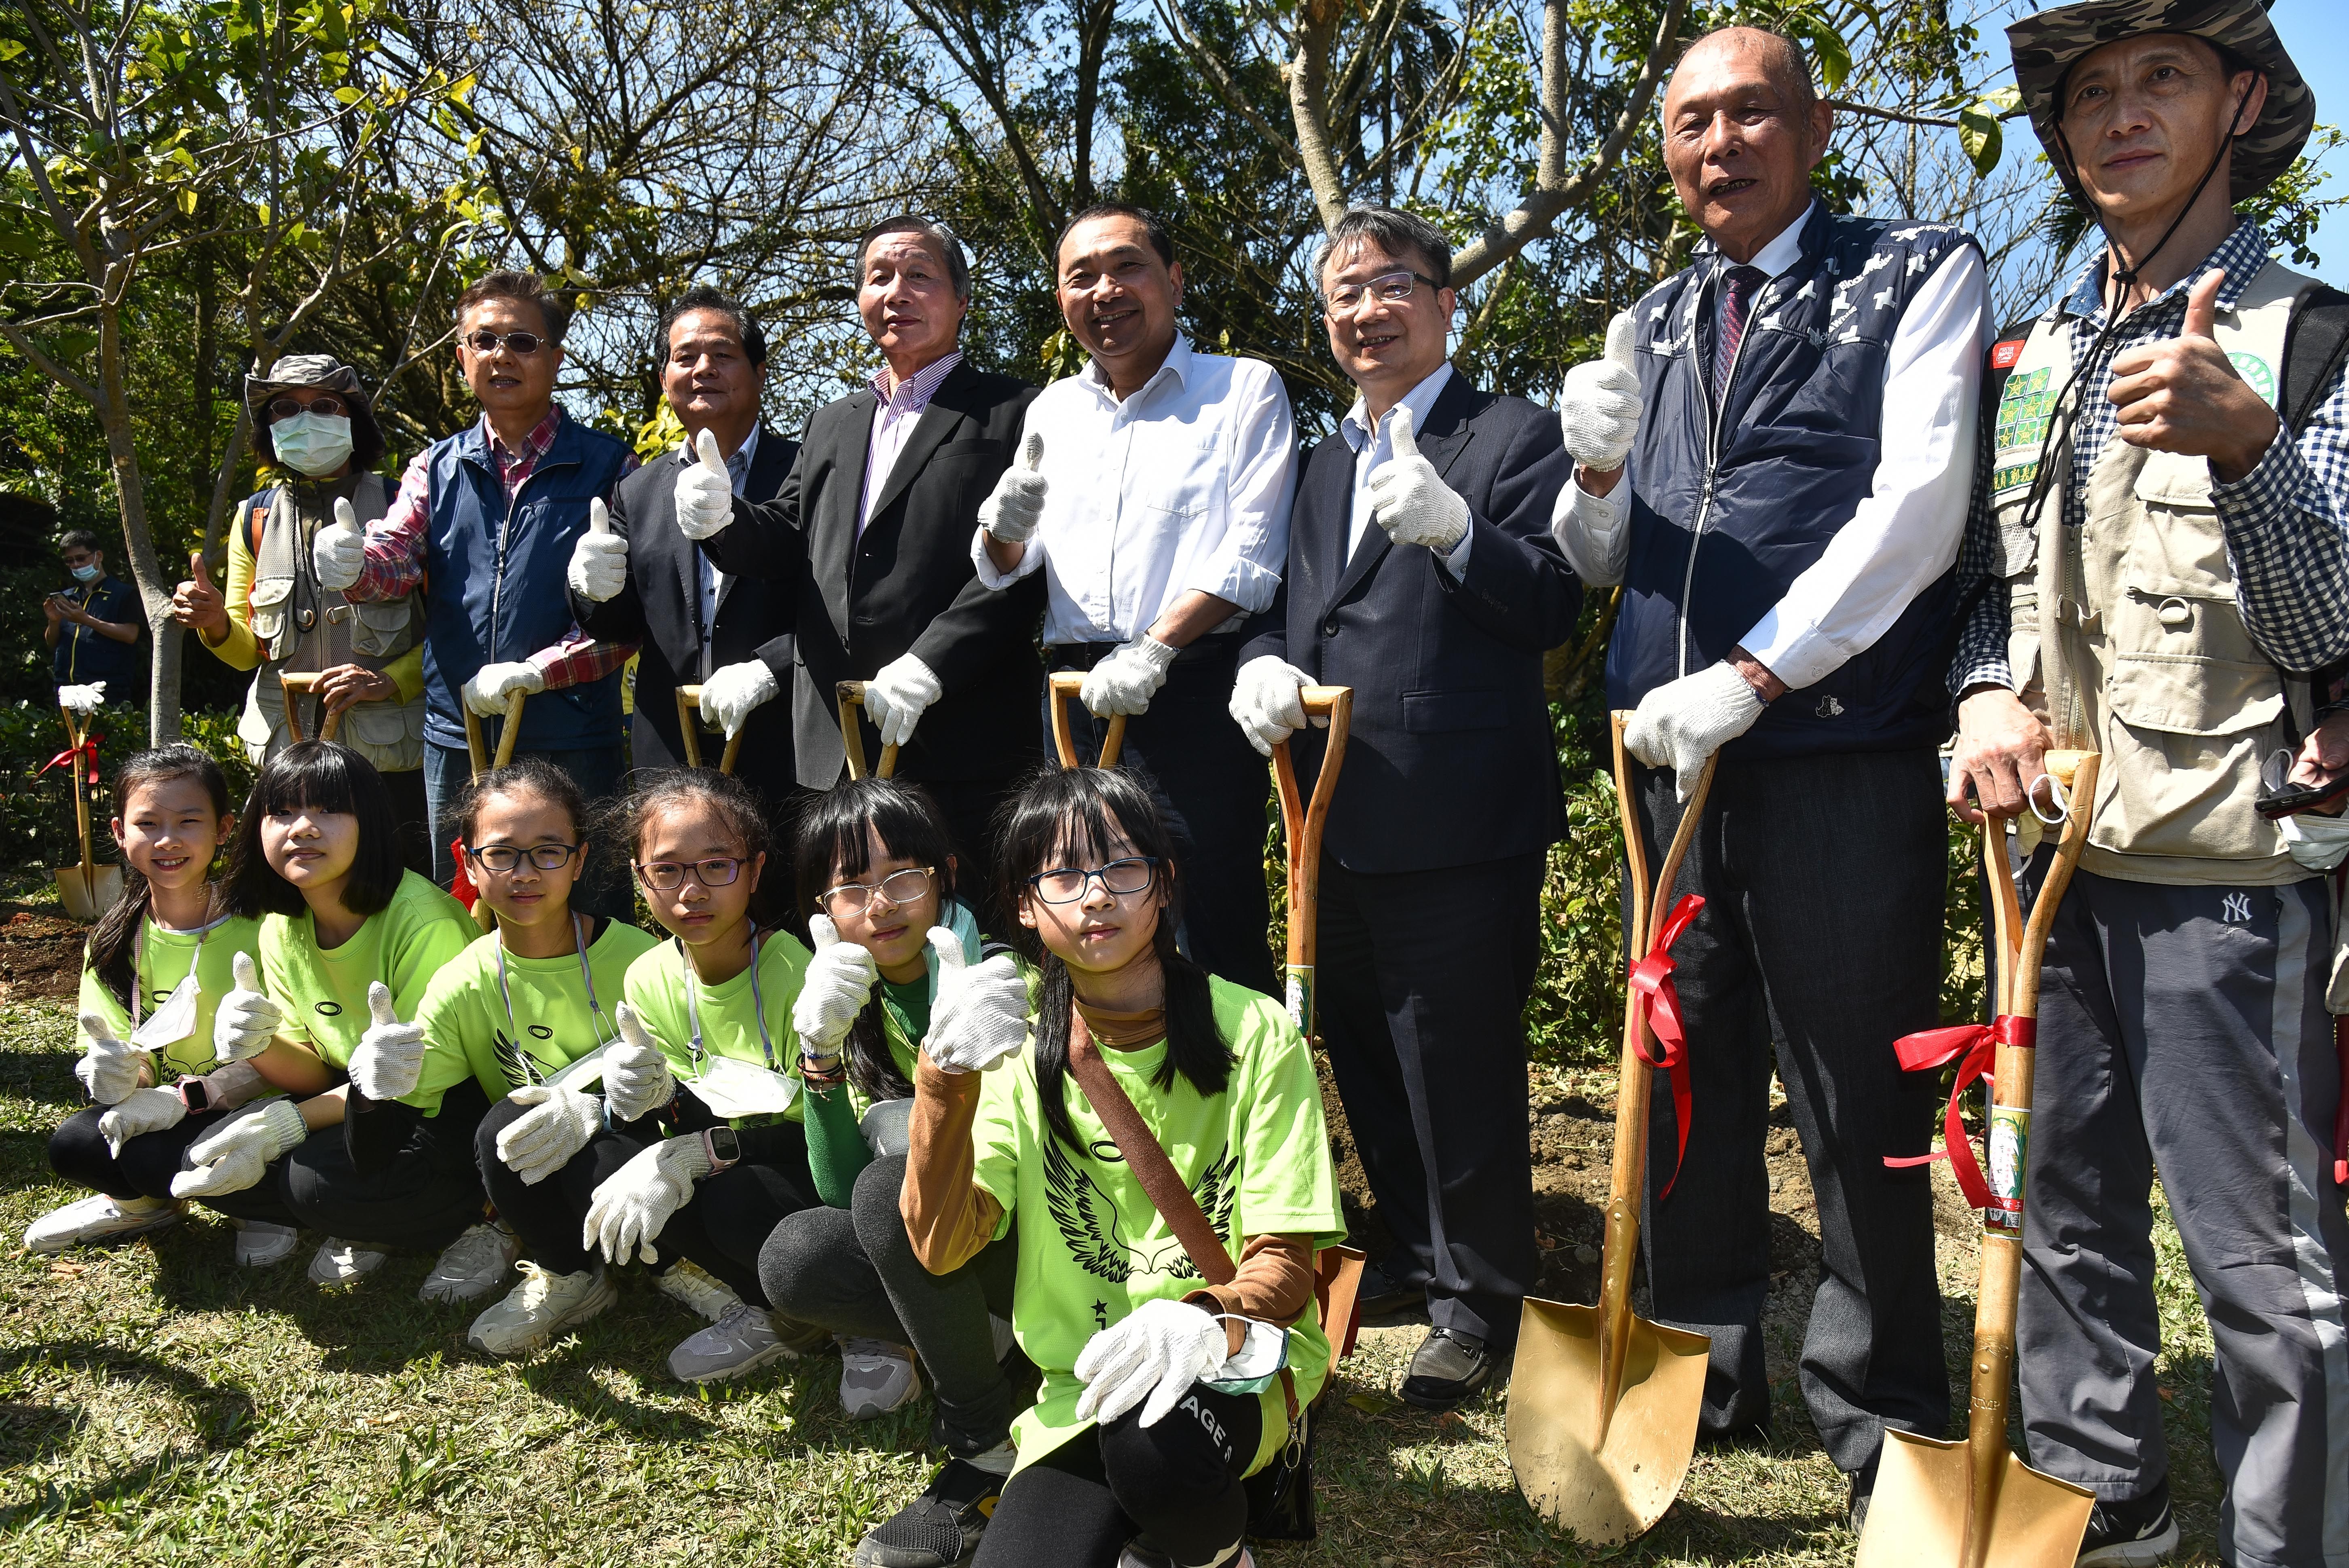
x: 602, y: 887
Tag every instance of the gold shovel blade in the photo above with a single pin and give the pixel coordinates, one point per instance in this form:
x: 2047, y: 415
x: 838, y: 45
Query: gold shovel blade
x: 86, y: 901
x: 1610, y: 1492
x: 1917, y: 1518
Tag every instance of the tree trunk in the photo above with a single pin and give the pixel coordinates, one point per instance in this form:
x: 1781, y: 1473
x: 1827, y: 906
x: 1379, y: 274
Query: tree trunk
x: 130, y: 493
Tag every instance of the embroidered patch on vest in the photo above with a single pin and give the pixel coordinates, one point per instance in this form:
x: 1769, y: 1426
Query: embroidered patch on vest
x: 2255, y: 374
x: 2003, y: 355
x: 2024, y: 408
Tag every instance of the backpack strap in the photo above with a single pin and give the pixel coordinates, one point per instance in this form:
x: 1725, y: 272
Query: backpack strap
x: 1146, y: 1158
x: 2315, y: 345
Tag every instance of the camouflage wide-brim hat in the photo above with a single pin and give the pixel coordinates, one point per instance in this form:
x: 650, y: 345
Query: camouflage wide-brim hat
x: 2048, y: 44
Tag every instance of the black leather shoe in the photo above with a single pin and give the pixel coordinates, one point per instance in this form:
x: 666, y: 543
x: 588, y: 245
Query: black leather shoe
x: 1449, y: 1368
x: 1382, y: 1298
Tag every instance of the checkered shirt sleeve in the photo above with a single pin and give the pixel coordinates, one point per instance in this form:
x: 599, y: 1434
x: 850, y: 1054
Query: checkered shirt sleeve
x: 2287, y: 526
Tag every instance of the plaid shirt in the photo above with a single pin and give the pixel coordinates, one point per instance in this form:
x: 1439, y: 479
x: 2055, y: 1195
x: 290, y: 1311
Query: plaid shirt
x: 2286, y: 521
x: 395, y: 546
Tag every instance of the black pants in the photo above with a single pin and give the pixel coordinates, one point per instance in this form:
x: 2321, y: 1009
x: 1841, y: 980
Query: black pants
x: 77, y: 1152
x: 1820, y: 944
x: 419, y: 1200
x: 1213, y: 789
x: 1423, y: 978
x: 1176, y: 1483
x: 721, y: 1230
x: 853, y: 1270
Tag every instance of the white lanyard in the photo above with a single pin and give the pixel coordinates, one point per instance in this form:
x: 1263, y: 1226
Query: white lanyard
x: 586, y: 978
x: 693, y: 1007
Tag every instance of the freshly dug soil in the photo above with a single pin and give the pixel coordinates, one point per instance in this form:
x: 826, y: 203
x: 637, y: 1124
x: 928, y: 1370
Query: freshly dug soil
x: 40, y: 953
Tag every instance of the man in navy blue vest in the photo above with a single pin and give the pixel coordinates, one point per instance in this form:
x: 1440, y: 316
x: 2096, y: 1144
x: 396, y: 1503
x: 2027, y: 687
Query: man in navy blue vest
x: 1798, y: 412
x: 488, y: 518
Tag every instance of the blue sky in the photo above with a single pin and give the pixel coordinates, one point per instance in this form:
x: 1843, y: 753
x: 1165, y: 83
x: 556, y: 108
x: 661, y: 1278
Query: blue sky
x: 2312, y: 31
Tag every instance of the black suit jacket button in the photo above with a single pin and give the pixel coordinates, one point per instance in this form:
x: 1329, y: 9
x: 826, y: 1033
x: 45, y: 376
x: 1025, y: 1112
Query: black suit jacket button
x: 1330, y: 627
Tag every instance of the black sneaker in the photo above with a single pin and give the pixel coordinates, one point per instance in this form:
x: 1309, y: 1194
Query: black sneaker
x: 1383, y: 1301
x: 2134, y: 1534
x: 941, y: 1527
x: 1449, y: 1368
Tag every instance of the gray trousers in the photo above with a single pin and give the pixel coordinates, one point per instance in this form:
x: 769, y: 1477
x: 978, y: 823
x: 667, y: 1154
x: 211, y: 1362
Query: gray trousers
x: 2182, y: 1030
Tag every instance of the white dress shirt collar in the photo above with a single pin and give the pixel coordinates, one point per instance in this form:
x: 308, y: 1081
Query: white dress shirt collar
x: 1177, y: 370
x: 1785, y: 250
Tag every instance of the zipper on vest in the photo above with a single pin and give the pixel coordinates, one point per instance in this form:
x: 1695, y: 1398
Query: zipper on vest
x: 1712, y: 460
x: 498, y: 577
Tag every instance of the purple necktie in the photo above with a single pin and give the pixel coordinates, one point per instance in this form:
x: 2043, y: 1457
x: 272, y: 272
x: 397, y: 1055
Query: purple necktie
x: 1738, y: 287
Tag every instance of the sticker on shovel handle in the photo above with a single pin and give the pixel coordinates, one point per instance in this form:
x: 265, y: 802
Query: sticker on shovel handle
x: 2010, y: 1148
x: 1300, y: 997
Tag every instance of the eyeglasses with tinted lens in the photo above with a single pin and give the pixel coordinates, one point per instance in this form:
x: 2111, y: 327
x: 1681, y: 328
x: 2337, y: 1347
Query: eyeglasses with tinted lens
x: 900, y: 888
x: 484, y: 341
x: 506, y: 857
x: 667, y: 876
x: 286, y: 407
x: 1392, y: 288
x: 1119, y: 879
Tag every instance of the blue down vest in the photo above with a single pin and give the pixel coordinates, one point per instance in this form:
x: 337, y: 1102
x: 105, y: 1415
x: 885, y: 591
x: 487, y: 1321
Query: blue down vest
x: 1722, y: 525
x: 495, y: 578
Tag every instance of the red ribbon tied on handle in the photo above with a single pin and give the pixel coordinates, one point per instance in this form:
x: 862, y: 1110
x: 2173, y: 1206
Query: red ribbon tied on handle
x: 1659, y: 1010
x: 86, y: 751
x: 1974, y: 1047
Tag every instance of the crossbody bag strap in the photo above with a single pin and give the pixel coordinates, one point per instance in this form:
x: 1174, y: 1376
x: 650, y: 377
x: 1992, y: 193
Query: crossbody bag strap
x: 1145, y: 1159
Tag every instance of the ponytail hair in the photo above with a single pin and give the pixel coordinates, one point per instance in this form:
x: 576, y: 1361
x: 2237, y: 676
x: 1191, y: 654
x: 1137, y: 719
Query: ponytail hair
x: 114, y: 944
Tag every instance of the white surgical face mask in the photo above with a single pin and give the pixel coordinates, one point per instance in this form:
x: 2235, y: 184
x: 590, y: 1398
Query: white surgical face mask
x: 732, y: 1087
x: 313, y: 444
x: 2318, y: 842
x: 85, y: 574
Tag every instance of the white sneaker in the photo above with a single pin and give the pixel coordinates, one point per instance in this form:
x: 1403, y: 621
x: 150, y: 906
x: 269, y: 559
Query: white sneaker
x: 696, y: 1290
x: 876, y: 1377
x: 474, y: 1265
x: 742, y: 1340
x: 537, y: 1311
x: 260, y: 1243
x: 99, y: 1218
x: 340, y: 1262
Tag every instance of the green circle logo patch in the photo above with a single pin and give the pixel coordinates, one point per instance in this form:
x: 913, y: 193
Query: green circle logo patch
x: 2254, y: 370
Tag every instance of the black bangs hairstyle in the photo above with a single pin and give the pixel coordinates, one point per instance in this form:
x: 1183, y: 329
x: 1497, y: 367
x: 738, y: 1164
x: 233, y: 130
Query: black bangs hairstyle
x: 1070, y: 816
x: 657, y: 790
x: 530, y: 775
x: 323, y: 777
x: 114, y: 944
x: 830, y: 847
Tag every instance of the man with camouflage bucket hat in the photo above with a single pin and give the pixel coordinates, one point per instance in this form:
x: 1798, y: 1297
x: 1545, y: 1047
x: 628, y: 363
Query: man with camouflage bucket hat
x: 2158, y: 564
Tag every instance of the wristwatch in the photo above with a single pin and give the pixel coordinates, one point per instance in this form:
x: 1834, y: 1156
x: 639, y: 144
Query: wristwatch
x: 723, y: 1148
x: 196, y: 1095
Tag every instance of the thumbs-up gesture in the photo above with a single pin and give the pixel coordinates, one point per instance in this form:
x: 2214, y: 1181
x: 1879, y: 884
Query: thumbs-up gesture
x: 1409, y: 499
x: 637, y: 1079
x: 705, y: 491
x: 2183, y: 395
x: 338, y: 554
x: 110, y: 1069
x: 197, y: 605
x: 247, y: 1020
x: 390, y: 1054
x: 1012, y: 510
x: 837, y: 985
x: 1598, y: 408
x: 981, y: 1017
x: 599, y: 562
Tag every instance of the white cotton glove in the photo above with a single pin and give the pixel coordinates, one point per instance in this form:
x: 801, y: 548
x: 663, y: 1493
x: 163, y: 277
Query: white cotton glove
x: 980, y: 1020
x: 1599, y: 406
x: 1682, y: 722
x: 1013, y: 509
x: 237, y: 1154
x: 84, y: 700
x: 1128, y: 678
x: 247, y: 1019
x: 705, y: 491
x: 1409, y: 499
x: 838, y: 983
x: 636, y: 1200
x: 339, y: 553
x: 487, y: 692
x: 142, y: 1111
x: 543, y: 1140
x: 390, y: 1054
x: 733, y: 690
x: 637, y: 1079
x: 1150, y: 1359
x: 1268, y: 701
x: 896, y: 697
x: 110, y: 1069
x: 599, y: 562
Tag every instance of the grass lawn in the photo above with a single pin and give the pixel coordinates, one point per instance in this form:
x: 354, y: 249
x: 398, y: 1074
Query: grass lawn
x: 158, y: 1404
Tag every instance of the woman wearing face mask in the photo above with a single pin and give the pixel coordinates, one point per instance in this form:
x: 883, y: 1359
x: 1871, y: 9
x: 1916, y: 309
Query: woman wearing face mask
x: 315, y: 435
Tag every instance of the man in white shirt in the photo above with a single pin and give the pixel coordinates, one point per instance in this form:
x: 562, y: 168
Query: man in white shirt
x: 1799, y: 410
x: 1152, y: 493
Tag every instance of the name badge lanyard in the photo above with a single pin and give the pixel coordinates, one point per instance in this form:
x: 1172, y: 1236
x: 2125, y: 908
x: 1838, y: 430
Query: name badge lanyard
x: 605, y: 1033
x: 693, y: 1010
x: 139, y: 979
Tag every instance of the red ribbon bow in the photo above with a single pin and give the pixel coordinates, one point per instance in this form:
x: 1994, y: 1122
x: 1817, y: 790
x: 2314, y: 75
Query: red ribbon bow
x: 1974, y: 1047
x: 461, y: 886
x: 88, y: 750
x: 1659, y: 1010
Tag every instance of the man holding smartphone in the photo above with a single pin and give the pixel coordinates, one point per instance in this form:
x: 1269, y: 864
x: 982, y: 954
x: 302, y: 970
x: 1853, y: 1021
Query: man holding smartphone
x: 94, y: 622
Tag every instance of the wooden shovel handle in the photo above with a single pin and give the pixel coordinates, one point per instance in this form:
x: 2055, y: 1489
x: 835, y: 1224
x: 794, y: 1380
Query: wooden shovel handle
x: 295, y: 686
x: 850, y: 695
x: 508, y: 731
x: 1065, y: 686
x: 1302, y: 821
x: 689, y: 730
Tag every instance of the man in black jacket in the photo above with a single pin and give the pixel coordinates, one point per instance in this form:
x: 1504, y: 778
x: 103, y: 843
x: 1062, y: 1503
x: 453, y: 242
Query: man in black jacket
x: 868, y: 547
x: 1421, y: 573
x: 644, y: 582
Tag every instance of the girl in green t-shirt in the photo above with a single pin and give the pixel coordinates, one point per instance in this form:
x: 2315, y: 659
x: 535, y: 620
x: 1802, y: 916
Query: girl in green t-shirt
x: 348, y: 939
x: 1161, y: 1392
x: 157, y: 966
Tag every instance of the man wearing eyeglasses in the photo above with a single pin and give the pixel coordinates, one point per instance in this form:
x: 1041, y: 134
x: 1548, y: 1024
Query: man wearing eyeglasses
x: 1421, y: 573
x: 489, y: 516
x: 95, y: 624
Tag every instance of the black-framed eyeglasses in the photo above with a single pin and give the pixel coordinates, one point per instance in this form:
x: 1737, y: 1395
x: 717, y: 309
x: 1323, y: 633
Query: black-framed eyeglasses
x: 482, y: 340
x: 506, y: 857
x: 667, y: 876
x: 1118, y: 879
x: 899, y: 887
x: 286, y: 407
x: 1391, y: 288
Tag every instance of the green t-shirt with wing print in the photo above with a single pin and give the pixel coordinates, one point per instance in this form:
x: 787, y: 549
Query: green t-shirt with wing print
x: 555, y: 1020
x: 1092, y: 1247
x: 325, y: 995
x: 163, y: 957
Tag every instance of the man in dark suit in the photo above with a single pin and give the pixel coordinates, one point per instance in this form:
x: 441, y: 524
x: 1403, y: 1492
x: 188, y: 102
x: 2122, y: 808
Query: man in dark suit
x: 1421, y: 573
x: 644, y: 582
x: 868, y: 546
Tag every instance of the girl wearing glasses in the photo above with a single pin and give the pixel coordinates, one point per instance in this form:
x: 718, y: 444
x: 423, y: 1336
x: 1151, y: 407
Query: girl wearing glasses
x: 1161, y: 1392
x: 348, y: 941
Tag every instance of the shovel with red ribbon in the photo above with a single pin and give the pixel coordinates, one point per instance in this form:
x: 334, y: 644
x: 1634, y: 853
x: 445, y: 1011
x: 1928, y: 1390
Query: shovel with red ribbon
x: 89, y: 890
